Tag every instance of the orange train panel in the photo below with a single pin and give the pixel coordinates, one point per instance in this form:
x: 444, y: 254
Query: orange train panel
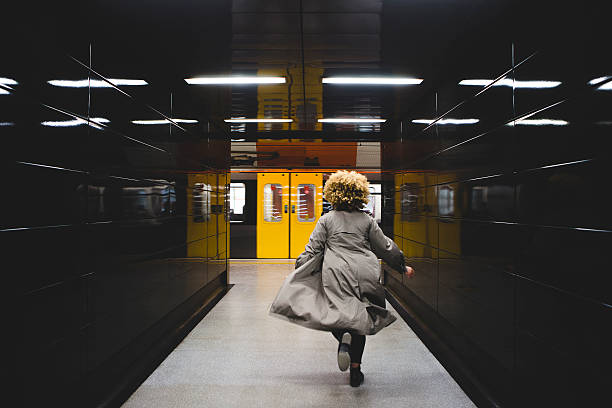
x: 315, y: 153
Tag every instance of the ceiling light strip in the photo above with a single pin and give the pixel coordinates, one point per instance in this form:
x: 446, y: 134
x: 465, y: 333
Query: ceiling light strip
x: 96, y: 83
x: 352, y: 120
x: 447, y: 121
x: 511, y: 83
x: 372, y: 80
x: 94, y: 122
x: 264, y: 120
x: 162, y: 121
x: 235, y: 80
x: 540, y: 122
x: 7, y: 81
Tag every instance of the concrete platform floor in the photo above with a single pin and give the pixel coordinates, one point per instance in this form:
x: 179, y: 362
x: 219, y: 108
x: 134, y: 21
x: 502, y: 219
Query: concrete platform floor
x: 238, y: 356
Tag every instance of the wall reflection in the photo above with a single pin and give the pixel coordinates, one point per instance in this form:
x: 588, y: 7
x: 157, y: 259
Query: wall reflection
x: 494, y: 195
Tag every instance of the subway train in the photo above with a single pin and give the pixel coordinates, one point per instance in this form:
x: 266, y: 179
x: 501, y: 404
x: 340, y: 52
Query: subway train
x: 272, y: 212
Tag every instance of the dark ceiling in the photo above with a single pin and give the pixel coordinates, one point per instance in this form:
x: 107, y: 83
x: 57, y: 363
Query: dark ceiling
x: 164, y: 42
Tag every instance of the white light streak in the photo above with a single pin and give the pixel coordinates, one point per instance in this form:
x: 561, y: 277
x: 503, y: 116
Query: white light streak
x: 46, y: 166
x: 606, y: 87
x: 448, y: 121
x: 539, y: 122
x: 511, y: 83
x: 96, y: 83
x: 352, y: 120
x: 162, y: 121
x: 75, y: 122
x: 4, y: 91
x: 264, y: 120
x: 235, y: 80
x: 565, y: 164
x: 599, y: 80
x: 7, y: 124
x: 372, y: 80
x: 7, y: 81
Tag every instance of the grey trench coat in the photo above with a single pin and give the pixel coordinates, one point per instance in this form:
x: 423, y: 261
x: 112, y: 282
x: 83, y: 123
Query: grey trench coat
x: 336, y: 283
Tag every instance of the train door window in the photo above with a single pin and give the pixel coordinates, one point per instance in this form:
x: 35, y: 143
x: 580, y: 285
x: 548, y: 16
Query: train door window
x: 410, y: 201
x: 374, y: 205
x: 479, y: 199
x: 273, y: 203
x: 446, y: 197
x: 208, y: 199
x: 199, y: 198
x: 306, y: 202
x: 237, y: 202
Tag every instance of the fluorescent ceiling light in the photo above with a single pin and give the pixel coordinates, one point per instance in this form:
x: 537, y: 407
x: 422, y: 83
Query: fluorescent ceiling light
x: 4, y: 91
x: 372, y: 80
x: 231, y: 80
x: 447, y: 121
x: 243, y: 120
x: 7, y: 124
x: 591, y: 82
x: 352, y: 120
x: 96, y: 83
x: 75, y: 122
x: 7, y: 81
x: 540, y: 122
x: 510, y: 83
x: 606, y: 87
x: 162, y: 121
x: 238, y: 140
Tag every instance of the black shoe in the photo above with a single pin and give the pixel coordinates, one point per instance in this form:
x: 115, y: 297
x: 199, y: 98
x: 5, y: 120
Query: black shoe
x: 344, y: 359
x: 356, y: 377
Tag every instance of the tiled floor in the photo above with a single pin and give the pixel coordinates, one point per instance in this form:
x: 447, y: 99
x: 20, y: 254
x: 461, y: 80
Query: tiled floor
x: 238, y: 356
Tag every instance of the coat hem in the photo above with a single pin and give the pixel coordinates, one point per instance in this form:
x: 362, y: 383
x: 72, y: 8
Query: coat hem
x: 309, y: 325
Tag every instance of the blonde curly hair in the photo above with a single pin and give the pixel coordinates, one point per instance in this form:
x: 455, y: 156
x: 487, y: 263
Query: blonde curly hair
x: 347, y: 190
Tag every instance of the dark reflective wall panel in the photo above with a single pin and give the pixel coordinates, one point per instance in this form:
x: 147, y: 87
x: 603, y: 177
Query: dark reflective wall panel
x: 500, y: 205
x: 110, y: 225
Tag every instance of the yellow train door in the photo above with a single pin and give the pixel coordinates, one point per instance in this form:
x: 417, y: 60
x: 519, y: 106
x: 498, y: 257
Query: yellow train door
x: 272, y: 215
x: 306, y: 208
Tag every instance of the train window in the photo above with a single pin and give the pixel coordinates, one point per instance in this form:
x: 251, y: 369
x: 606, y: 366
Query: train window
x: 273, y: 203
x: 199, y: 197
x: 306, y: 202
x: 374, y: 205
x: 237, y: 202
x: 446, y: 197
x: 410, y: 201
x: 479, y: 199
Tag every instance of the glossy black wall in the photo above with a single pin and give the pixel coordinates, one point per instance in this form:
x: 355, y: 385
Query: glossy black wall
x: 113, y: 233
x: 503, y: 214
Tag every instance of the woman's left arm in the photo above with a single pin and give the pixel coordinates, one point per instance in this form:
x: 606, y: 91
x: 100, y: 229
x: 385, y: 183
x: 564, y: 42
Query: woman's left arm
x: 316, y: 243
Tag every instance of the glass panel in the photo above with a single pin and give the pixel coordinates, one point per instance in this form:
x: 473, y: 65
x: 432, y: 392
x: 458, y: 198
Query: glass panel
x: 237, y: 201
x: 410, y: 201
x: 208, y: 201
x: 374, y: 205
x: 273, y: 203
x: 306, y: 202
x: 445, y: 201
x: 198, y: 197
x: 226, y: 203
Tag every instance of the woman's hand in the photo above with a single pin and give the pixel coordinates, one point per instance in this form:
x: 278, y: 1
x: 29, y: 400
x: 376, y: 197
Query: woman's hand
x: 409, y: 272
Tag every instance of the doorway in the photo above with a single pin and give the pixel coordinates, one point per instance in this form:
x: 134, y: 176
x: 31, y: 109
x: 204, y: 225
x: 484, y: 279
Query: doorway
x: 288, y: 207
